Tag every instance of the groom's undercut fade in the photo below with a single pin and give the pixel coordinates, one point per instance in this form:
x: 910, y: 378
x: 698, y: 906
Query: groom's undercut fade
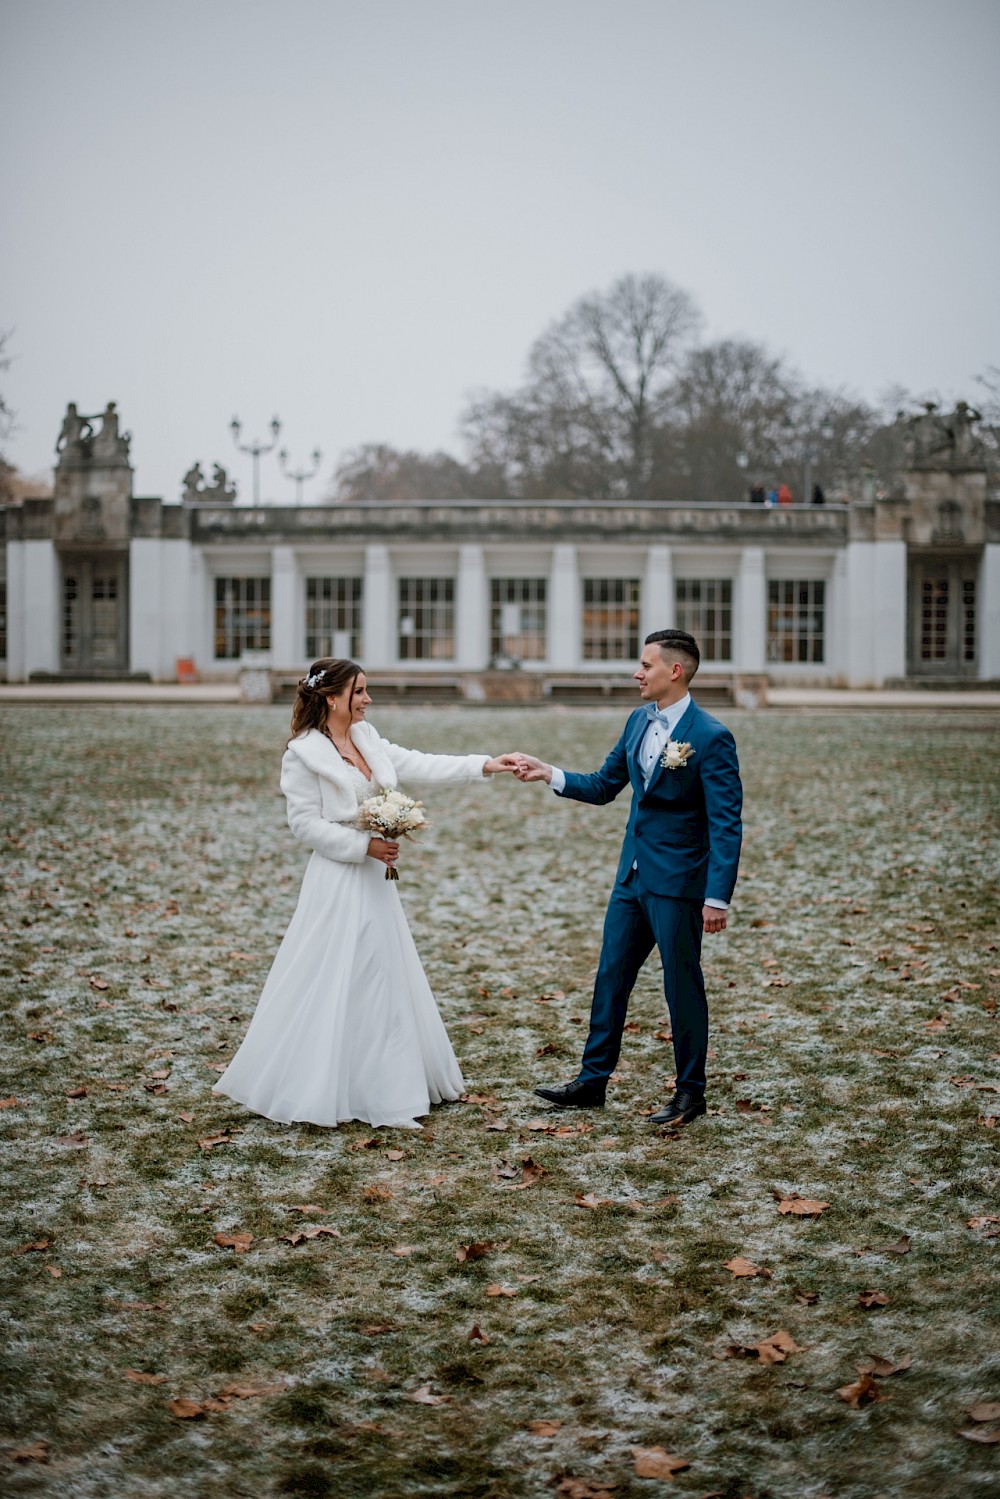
x: 679, y: 646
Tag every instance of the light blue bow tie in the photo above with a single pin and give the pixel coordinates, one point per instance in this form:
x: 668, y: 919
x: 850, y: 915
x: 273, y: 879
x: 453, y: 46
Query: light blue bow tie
x: 658, y: 715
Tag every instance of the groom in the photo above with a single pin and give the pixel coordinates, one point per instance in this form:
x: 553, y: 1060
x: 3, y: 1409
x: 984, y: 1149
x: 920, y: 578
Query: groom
x: 676, y: 873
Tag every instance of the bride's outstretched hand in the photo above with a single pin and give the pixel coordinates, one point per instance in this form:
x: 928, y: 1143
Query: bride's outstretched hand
x: 529, y: 768
x: 501, y: 763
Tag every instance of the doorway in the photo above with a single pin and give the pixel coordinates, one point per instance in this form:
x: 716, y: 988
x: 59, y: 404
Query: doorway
x: 943, y: 616
x: 94, y: 623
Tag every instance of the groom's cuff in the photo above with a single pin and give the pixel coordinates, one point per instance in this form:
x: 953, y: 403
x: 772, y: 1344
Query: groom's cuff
x: 558, y: 781
x: 718, y: 905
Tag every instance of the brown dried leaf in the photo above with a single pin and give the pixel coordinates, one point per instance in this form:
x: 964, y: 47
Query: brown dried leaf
x: 185, y: 1410
x: 76, y: 1092
x: 543, y: 1428
x: 8, y: 1103
x: 498, y: 1290
x: 901, y: 1246
x: 423, y: 1396
x: 251, y: 1391
x: 240, y: 1242
x: 76, y: 1141
x: 211, y: 1141
x: 883, y: 1368
x: 807, y: 1298
x: 138, y: 1377
x: 871, y: 1299
x: 405, y: 1250
x: 54, y: 1271
x: 38, y: 1452
x: 36, y: 1246
x: 986, y: 1410
x: 987, y: 1435
x: 741, y: 1267
x: 802, y: 1207
x: 376, y: 1194
x: 656, y: 1462
x: 568, y: 1487
x: 395, y: 1155
x: 864, y: 1391
x: 590, y: 1201
x: 98, y: 983
x: 477, y: 1250
x: 985, y: 1221
x: 377, y: 1329
x: 477, y: 1335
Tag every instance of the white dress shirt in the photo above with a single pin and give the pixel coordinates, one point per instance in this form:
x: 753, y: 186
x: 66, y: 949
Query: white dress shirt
x: 653, y: 742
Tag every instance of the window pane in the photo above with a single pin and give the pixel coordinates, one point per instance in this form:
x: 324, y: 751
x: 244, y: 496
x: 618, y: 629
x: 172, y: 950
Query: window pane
x: 333, y: 617
x: 796, y: 615
x: 426, y: 619
x: 242, y: 616
x: 610, y: 619
x: 518, y: 618
x: 704, y: 608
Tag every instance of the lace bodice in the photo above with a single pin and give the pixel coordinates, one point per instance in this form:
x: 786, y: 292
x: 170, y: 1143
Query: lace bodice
x: 363, y: 785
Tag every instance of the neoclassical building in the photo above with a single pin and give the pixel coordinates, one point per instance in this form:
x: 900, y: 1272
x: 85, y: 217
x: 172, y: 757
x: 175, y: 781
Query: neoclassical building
x: 511, y: 598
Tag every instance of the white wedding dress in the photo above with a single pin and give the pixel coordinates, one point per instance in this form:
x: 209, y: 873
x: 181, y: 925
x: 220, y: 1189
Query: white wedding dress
x: 347, y: 1026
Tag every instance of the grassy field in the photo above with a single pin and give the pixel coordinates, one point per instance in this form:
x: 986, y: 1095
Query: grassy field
x: 198, y: 1302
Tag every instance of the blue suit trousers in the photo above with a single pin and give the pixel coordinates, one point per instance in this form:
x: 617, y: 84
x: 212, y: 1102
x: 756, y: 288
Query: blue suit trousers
x: 637, y: 920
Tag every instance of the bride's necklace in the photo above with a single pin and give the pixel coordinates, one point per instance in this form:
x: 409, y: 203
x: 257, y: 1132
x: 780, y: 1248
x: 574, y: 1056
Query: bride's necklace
x: 345, y: 754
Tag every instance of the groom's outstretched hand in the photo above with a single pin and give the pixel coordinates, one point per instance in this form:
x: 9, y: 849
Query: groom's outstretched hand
x: 528, y: 768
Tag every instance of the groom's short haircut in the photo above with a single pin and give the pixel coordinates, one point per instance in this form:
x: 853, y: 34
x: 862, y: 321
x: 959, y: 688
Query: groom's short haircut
x: 678, y: 645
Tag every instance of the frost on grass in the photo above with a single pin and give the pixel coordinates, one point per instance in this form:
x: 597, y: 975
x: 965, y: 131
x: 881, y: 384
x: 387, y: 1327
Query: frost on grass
x: 148, y: 876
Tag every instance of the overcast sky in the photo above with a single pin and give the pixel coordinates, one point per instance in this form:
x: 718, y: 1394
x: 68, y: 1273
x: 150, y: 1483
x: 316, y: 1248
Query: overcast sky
x: 352, y: 213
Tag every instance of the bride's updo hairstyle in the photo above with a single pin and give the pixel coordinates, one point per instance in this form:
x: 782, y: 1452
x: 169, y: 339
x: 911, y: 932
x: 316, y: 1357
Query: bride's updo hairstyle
x: 327, y: 677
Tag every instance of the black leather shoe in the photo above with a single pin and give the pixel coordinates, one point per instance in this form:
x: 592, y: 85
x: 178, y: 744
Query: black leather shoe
x: 577, y: 1095
x: 681, y: 1109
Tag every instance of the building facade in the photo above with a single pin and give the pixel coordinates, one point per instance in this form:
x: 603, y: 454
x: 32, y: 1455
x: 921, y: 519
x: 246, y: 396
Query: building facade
x: 99, y: 582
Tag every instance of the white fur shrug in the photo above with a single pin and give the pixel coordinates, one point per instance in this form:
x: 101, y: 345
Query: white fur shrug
x: 319, y: 790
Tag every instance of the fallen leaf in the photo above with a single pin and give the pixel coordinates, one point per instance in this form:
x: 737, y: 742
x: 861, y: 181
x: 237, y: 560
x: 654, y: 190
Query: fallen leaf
x: 656, y: 1462
x: 251, y: 1391
x: 543, y: 1428
x: 901, y: 1246
x: 188, y: 1118
x: 376, y: 1194
x: 76, y: 1141
x: 870, y: 1299
x: 240, y: 1242
x: 38, y: 1452
x: 35, y: 1247
x: 883, y: 1368
x: 477, y: 1335
x: 137, y: 1377
x: 438, y: 1180
x: 802, y: 1207
x: 395, y: 1155
x: 481, y: 1098
x: 807, y: 1298
x: 98, y: 983
x: 551, y: 997
x: 378, y: 1329
x: 372, y: 1143
x: 76, y: 1092
x: 986, y: 1222
x: 477, y: 1250
x: 8, y: 1103
x: 423, y: 1396
x: 54, y: 1271
x: 590, y: 1201
x: 568, y: 1487
x: 404, y: 1250
x: 864, y: 1391
x: 771, y: 1350
x: 185, y: 1410
x: 741, y: 1267
x: 211, y: 1141
x: 300, y: 1235
x: 986, y: 1410
x: 987, y: 1435
x: 497, y: 1290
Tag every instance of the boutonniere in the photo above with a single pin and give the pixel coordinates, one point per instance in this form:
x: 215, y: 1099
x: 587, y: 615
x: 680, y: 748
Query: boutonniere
x: 676, y: 754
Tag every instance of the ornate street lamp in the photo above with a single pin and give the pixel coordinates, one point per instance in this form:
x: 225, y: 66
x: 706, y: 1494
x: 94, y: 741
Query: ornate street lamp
x: 255, y: 449
x: 300, y: 475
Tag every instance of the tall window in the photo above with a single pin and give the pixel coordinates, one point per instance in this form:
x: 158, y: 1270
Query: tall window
x: 796, y: 620
x: 242, y: 616
x: 610, y: 619
x: 705, y: 610
x: 426, y: 619
x: 518, y: 618
x: 333, y: 617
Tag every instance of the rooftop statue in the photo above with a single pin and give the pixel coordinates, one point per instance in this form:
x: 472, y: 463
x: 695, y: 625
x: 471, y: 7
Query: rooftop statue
x: 197, y: 492
x: 78, y: 442
x: 932, y: 440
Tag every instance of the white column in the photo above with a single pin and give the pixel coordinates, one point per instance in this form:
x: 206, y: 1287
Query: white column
x: 202, y: 616
x: 288, y: 635
x: 838, y: 619
x: 750, y: 644
x: 888, y: 641
x: 378, y: 610
x: 988, y: 595
x: 565, y: 623
x: 472, y: 641
x: 658, y: 592
x: 33, y: 612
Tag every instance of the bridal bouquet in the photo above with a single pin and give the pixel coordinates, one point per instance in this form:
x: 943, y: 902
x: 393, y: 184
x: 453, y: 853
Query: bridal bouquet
x: 390, y: 814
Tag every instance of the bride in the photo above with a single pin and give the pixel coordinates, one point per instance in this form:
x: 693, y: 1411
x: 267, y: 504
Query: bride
x: 347, y: 1026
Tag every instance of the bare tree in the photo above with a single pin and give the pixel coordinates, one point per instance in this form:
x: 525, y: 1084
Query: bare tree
x: 376, y: 471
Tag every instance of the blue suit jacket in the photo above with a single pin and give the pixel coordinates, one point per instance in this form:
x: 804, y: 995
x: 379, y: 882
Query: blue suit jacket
x: 684, y: 829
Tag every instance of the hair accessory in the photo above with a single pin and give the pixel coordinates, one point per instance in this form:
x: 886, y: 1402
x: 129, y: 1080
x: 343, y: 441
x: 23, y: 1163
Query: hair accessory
x: 314, y: 680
